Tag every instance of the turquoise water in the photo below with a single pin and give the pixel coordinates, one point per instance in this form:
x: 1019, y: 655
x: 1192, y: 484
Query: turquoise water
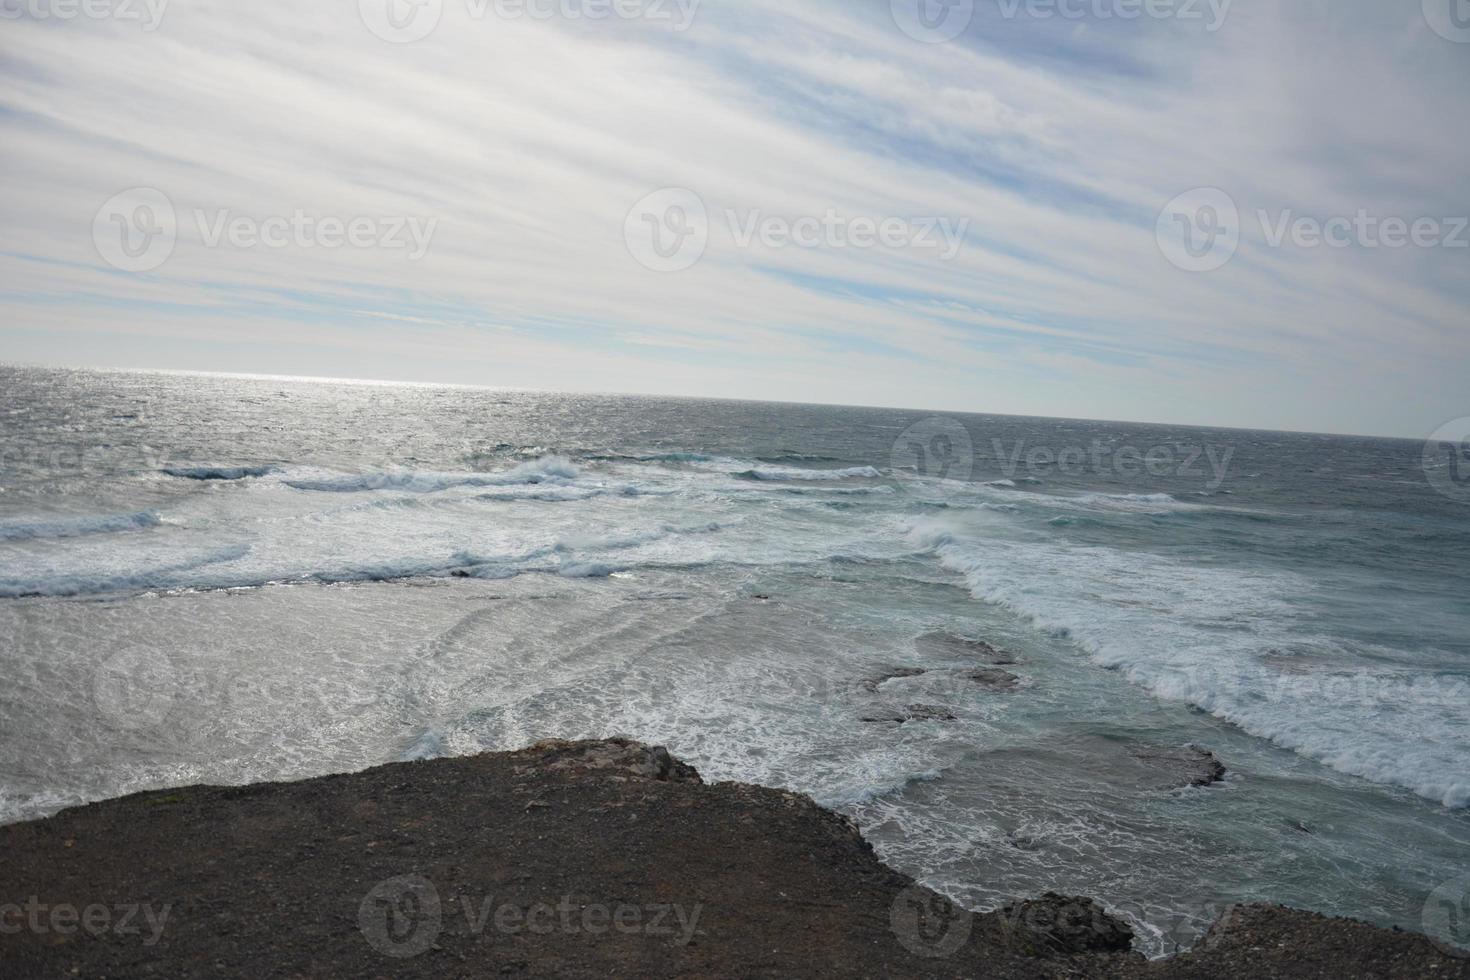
x: 219, y: 579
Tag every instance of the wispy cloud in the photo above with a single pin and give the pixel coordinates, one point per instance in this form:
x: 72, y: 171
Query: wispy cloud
x: 1056, y: 140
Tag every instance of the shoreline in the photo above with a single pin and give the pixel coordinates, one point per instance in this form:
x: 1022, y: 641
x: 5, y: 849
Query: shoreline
x: 566, y: 858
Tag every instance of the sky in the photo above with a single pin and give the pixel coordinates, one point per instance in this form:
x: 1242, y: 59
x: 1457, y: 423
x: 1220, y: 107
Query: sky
x: 1247, y: 213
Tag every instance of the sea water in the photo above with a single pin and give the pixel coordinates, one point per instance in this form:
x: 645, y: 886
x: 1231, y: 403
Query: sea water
x: 211, y: 579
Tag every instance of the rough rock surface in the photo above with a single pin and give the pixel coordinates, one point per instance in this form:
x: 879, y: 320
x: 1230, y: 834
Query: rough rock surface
x: 977, y: 650
x: 570, y: 859
x: 995, y: 679
x: 1187, y: 765
x: 914, y: 712
x: 1063, y: 924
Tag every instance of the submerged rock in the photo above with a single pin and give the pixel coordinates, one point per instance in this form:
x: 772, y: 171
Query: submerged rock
x: 948, y: 644
x: 914, y: 712
x: 1187, y: 765
x: 927, y: 712
x: 994, y: 679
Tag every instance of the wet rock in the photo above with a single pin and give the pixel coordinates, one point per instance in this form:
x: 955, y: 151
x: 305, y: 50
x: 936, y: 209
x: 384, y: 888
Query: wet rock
x: 1064, y: 925
x: 927, y: 712
x: 914, y: 712
x: 994, y: 679
x: 1187, y: 765
x: 948, y: 644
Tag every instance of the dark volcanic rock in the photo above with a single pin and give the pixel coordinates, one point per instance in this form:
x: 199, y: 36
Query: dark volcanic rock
x: 927, y: 712
x: 1187, y: 765
x: 948, y: 644
x: 568, y: 859
x: 1063, y: 925
x: 1272, y: 941
x: 615, y: 758
x: 914, y: 712
x: 994, y: 679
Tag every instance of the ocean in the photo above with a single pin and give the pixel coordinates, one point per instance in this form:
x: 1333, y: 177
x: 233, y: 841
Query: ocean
x: 219, y: 579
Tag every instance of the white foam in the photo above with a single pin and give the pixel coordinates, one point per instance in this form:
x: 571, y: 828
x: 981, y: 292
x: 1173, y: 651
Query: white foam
x: 549, y: 470
x: 1194, y: 632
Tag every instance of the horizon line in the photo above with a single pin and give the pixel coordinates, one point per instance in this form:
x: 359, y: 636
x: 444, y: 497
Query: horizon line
x: 391, y: 382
